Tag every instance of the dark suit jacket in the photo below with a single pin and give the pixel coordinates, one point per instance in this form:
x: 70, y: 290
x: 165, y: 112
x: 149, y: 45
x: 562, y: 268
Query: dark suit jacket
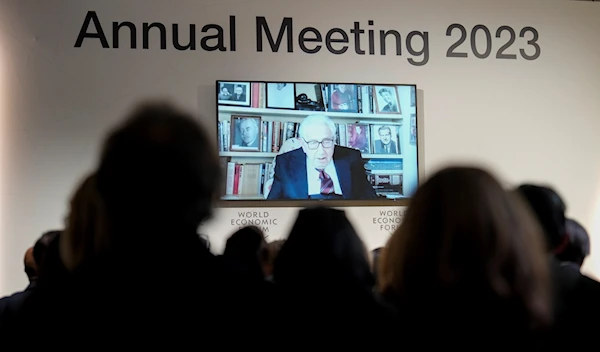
x: 253, y: 144
x: 379, y: 148
x: 576, y: 308
x: 290, y: 181
x: 391, y: 107
x: 235, y: 97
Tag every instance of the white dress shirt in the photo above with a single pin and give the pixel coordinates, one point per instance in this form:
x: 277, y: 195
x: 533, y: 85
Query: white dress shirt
x: 314, y: 182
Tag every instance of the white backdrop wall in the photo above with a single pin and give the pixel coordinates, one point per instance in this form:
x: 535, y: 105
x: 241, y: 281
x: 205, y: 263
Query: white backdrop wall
x: 527, y: 120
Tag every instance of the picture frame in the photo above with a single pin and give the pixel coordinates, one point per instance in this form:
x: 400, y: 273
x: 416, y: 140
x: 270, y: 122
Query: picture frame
x: 342, y: 97
x: 358, y: 136
x: 387, y: 100
x: 413, y: 96
x: 246, y: 133
x: 385, y: 139
x: 281, y: 95
x: 309, y: 97
x: 234, y: 93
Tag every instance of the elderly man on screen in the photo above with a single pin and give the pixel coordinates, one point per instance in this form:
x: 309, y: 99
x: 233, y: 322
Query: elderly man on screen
x: 320, y: 169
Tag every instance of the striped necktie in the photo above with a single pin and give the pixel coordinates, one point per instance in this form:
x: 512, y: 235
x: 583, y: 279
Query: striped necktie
x: 326, y: 182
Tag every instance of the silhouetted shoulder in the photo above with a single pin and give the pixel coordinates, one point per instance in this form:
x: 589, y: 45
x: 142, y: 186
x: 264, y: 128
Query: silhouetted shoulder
x: 590, y: 284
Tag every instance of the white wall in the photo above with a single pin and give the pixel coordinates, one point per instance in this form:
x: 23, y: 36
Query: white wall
x: 527, y: 120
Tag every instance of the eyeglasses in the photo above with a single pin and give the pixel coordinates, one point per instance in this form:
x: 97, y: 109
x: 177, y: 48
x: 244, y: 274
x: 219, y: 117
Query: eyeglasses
x: 326, y: 143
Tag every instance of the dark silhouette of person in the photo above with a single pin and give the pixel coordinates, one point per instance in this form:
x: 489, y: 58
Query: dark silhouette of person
x: 324, y: 277
x: 153, y: 280
x: 576, y: 304
x: 37, y: 270
x: 30, y: 265
x: 476, y: 277
x: 578, y: 246
x: 246, y: 249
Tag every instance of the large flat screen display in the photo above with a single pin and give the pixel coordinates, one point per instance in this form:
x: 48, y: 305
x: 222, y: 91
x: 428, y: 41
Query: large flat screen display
x: 327, y: 141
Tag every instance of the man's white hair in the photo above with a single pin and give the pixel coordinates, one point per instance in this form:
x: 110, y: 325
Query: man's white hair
x: 316, y: 119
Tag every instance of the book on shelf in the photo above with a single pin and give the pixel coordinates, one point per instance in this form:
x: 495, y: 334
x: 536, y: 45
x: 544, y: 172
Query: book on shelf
x: 247, y: 179
x: 223, y: 130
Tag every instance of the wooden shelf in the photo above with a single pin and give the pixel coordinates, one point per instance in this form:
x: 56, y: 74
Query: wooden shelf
x: 272, y: 155
x: 304, y: 113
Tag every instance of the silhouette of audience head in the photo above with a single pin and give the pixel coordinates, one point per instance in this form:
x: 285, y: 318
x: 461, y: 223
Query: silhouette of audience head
x: 467, y: 246
x: 549, y: 209
x: 40, y: 248
x: 247, y: 249
x: 30, y: 265
x: 47, y: 255
x: 159, y: 173
x: 578, y: 247
x: 35, y: 255
x: 323, y: 250
x: 85, y: 236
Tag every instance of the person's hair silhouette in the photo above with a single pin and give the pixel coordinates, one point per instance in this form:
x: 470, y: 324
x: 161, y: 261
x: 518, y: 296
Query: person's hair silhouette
x: 549, y: 208
x: 323, y: 249
x: 468, y: 251
x: 158, y: 172
x: 245, y: 250
x: 578, y: 247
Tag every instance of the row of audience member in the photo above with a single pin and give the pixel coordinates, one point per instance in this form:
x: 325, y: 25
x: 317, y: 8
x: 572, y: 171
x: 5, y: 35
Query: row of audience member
x: 472, y: 266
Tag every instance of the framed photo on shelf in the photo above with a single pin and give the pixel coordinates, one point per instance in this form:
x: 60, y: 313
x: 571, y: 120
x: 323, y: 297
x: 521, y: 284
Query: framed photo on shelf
x: 234, y: 93
x: 358, y: 137
x: 342, y: 98
x: 413, y: 129
x: 309, y: 97
x: 386, y: 100
x: 281, y: 96
x: 245, y: 133
x: 385, y: 139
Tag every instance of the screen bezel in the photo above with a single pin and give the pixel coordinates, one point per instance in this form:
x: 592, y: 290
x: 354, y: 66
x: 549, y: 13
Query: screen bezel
x: 303, y: 203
